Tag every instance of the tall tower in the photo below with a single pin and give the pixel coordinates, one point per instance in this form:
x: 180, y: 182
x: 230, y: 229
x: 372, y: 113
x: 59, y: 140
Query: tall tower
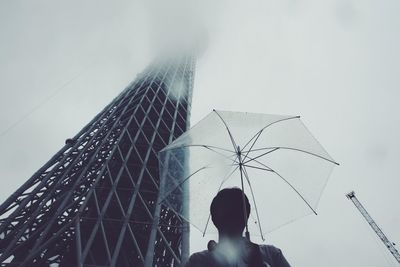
x: 93, y: 202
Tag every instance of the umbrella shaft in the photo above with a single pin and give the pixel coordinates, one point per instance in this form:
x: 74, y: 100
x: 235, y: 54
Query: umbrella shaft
x: 243, y: 195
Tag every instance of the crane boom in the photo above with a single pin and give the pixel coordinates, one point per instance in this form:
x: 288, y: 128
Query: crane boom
x: 374, y: 226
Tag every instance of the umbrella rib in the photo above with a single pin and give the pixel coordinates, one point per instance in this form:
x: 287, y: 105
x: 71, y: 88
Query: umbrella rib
x: 254, y: 200
x: 287, y: 182
x: 263, y: 154
x: 259, y: 162
x: 294, y: 149
x: 229, y: 132
x: 212, y: 148
x: 184, y: 180
x: 258, y: 134
x: 259, y: 168
x: 222, y: 155
x: 223, y: 181
x: 251, y: 147
x: 206, y: 146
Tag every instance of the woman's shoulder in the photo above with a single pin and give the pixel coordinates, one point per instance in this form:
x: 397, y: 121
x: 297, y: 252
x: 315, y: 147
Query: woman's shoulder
x: 273, y: 255
x: 270, y: 248
x: 202, y: 258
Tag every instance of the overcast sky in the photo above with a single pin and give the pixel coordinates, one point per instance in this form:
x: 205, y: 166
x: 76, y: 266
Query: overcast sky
x: 334, y: 62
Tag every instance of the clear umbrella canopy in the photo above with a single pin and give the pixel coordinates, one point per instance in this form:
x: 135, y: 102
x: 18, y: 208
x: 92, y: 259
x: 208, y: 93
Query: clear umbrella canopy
x: 284, y: 169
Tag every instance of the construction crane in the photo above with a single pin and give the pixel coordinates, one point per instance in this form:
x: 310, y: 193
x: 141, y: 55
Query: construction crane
x: 374, y: 226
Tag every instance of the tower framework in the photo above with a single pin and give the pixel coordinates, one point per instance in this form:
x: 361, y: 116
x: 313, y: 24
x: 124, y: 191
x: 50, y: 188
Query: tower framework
x: 94, y: 202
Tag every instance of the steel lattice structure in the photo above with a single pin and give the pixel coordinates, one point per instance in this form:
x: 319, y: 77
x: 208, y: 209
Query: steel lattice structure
x: 93, y: 202
x: 389, y: 245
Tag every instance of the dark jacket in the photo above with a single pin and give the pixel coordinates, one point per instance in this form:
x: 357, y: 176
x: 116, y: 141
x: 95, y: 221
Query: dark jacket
x: 270, y: 257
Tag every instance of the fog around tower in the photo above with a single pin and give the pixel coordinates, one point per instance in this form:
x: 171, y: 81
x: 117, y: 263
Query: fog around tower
x: 180, y: 26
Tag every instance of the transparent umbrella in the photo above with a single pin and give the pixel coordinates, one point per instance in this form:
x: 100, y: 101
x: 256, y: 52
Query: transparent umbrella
x: 274, y: 159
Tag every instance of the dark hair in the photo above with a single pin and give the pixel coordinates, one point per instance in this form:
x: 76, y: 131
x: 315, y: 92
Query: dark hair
x: 227, y: 210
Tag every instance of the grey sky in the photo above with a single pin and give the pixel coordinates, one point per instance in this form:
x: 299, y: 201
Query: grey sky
x: 335, y: 62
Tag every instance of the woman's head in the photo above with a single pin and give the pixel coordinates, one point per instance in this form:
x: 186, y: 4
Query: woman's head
x: 227, y: 211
